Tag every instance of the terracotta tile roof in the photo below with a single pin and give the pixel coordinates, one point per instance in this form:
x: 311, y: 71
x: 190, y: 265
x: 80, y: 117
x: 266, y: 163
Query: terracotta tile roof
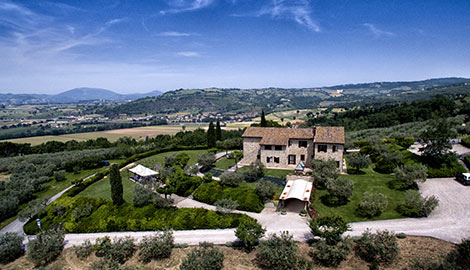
x: 281, y: 136
x: 278, y: 136
x: 329, y: 135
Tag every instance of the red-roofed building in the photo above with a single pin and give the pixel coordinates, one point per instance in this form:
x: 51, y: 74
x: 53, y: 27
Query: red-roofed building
x: 284, y: 148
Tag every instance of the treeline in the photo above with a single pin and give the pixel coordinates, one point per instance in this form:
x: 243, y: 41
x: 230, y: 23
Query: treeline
x: 26, y: 130
x: 391, y: 115
x: 184, y: 138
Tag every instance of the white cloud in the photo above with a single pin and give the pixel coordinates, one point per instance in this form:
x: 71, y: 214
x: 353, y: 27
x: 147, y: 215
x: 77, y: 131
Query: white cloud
x: 188, y: 54
x: 178, y: 6
x: 297, y: 10
x: 175, y: 34
x: 377, y: 32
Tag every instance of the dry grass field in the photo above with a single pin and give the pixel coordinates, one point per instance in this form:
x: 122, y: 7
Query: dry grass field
x: 138, y: 133
x: 410, y: 248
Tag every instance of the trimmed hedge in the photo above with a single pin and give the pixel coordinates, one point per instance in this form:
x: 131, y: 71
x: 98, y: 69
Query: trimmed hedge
x: 83, y: 185
x: 107, y: 217
x: 245, y: 196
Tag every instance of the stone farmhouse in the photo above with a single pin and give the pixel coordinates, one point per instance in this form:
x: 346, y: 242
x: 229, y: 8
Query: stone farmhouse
x: 287, y: 148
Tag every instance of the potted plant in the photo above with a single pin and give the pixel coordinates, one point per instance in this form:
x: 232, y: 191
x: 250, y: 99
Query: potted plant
x: 283, y: 211
x: 303, y: 213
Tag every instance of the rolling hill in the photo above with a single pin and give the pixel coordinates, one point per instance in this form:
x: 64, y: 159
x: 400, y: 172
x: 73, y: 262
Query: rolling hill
x: 277, y: 99
x: 73, y: 96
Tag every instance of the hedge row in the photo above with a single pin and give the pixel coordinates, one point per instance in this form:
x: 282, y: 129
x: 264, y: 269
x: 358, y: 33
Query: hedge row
x: 83, y: 185
x: 451, y: 169
x: 245, y: 196
x: 106, y: 217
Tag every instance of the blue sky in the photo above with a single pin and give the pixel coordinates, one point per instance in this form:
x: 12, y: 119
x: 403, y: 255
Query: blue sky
x: 139, y: 46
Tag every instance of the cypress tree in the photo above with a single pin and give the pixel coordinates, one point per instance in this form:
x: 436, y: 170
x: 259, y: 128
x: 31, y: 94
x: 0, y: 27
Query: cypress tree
x: 115, y: 181
x: 263, y: 120
x: 211, y: 136
x: 218, y: 131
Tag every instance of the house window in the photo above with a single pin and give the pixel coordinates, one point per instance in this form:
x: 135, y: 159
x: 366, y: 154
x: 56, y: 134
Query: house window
x: 258, y: 157
x: 278, y: 147
x: 269, y: 159
x: 276, y: 159
x: 291, y: 159
x: 302, y: 157
x: 302, y: 144
x: 335, y: 148
x: 267, y: 147
x: 337, y: 164
x: 322, y: 147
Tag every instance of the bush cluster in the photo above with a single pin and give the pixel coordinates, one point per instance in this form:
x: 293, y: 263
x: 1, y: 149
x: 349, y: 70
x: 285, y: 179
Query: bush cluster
x: 45, y: 247
x: 416, y: 205
x: 378, y: 248
x: 108, y: 217
x: 206, y: 257
x: 249, y: 232
x: 279, y: 253
x: 245, y: 196
x: 156, y: 247
x: 372, y: 204
x: 11, y: 247
x: 331, y: 255
x: 84, y: 250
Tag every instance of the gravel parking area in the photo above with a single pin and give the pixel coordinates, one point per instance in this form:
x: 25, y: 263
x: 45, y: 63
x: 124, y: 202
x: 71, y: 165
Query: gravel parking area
x: 450, y: 221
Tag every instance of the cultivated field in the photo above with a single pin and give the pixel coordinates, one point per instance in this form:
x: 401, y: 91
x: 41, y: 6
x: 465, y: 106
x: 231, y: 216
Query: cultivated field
x: 138, y: 133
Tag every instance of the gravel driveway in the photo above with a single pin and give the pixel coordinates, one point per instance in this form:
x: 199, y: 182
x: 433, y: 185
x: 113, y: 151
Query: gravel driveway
x: 450, y: 221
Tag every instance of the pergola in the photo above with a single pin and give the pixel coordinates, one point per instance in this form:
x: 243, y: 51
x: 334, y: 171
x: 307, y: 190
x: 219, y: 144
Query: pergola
x: 298, y: 189
x: 142, y: 174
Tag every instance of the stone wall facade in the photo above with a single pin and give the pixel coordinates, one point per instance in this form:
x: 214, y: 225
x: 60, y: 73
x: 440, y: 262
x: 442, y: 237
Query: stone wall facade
x: 330, y: 153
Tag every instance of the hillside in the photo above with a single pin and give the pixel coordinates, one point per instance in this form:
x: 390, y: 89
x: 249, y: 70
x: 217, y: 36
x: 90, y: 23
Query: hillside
x: 278, y: 99
x: 73, y: 96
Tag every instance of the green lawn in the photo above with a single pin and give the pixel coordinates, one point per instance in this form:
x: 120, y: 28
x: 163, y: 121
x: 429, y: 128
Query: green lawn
x: 225, y: 163
x: 102, y: 189
x: 53, y: 187
x: 272, y: 172
x: 370, y: 181
x: 160, y: 158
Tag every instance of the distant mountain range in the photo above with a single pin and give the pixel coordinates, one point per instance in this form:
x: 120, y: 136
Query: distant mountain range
x: 73, y: 96
x: 242, y: 101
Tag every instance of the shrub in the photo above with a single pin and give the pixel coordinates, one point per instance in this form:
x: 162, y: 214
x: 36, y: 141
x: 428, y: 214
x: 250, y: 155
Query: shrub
x: 255, y: 171
x: 232, y: 179
x: 11, y: 247
x: 358, y: 161
x: 410, y: 174
x: 265, y: 189
x: 323, y: 171
x: 206, y: 257
x: 278, y: 253
x: 329, y: 228
x: 206, y: 160
x: 207, y: 178
x: 225, y: 206
x: 33, y: 208
x: 83, y: 210
x: 416, y: 205
x: 119, y: 250
x: 156, y: 247
x: 142, y: 195
x: 249, y: 232
x: 59, y: 176
x: 378, y: 248
x: 182, y: 159
x: 340, y: 190
x: 331, y: 255
x: 84, y: 250
x: 46, y: 247
x: 104, y: 264
x: 372, y: 204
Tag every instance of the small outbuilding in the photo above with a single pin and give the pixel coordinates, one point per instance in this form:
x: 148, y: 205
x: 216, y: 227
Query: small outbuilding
x: 143, y: 174
x: 297, y: 192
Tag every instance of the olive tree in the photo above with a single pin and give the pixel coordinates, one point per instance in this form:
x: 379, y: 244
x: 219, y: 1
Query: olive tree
x: 249, y: 232
x: 324, y: 171
x: 410, y: 174
x: 372, y: 204
x: 45, y: 247
x: 358, y: 161
x: 11, y: 247
x: 329, y: 228
x: 225, y: 206
x: 231, y: 179
x: 341, y: 189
